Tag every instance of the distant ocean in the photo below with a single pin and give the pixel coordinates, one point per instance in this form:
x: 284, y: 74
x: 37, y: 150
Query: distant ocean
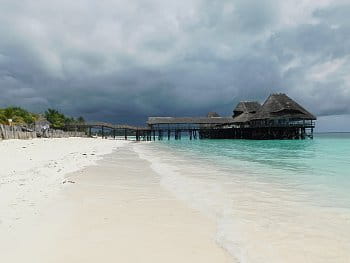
x: 273, y: 201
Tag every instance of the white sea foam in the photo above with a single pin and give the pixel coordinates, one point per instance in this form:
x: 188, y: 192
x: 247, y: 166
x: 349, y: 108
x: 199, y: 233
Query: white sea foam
x: 257, y: 220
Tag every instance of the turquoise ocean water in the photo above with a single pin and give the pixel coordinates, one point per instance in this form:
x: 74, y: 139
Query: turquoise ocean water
x: 272, y: 201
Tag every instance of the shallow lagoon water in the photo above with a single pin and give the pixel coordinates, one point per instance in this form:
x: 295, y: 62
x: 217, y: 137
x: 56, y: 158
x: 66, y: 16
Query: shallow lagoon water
x: 273, y: 201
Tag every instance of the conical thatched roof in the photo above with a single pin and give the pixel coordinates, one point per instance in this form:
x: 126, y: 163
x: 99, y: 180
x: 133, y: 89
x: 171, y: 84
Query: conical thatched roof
x: 247, y: 106
x: 280, y: 105
x: 213, y: 115
x: 245, y: 110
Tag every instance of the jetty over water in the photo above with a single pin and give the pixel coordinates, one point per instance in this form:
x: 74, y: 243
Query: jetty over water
x: 188, y: 121
x: 105, y: 125
x: 108, y: 129
x: 279, y: 117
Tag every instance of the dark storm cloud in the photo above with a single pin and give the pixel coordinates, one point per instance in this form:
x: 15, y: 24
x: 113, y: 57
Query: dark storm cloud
x: 116, y: 61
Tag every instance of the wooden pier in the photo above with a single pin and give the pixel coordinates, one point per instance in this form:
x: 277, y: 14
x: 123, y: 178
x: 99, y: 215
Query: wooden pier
x: 154, y: 133
x: 108, y: 130
x: 278, y: 118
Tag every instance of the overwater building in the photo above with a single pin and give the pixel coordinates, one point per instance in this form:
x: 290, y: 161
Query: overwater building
x: 279, y: 117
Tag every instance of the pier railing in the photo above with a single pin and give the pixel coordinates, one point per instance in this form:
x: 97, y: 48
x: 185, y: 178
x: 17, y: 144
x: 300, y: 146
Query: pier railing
x: 261, y: 130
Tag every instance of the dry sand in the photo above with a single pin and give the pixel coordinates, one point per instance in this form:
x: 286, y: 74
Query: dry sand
x: 114, y: 212
x: 32, y: 171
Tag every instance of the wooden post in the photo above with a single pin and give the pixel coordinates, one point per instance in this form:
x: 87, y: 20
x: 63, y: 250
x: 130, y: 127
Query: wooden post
x: 90, y: 131
x: 102, y: 132
x: 125, y: 134
x: 303, y: 133
x: 114, y: 134
x: 168, y: 134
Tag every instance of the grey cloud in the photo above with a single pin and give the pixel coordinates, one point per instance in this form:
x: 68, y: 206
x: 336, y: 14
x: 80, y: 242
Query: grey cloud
x: 117, y: 61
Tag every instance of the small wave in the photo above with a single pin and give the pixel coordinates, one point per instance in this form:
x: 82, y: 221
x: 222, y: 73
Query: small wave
x: 257, y: 220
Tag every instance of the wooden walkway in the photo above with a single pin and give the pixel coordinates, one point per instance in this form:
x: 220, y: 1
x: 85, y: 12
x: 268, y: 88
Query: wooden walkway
x: 108, y: 130
x: 192, y: 131
x: 139, y: 133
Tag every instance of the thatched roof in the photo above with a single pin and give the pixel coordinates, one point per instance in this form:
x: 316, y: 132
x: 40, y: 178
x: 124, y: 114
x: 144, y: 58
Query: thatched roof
x: 247, y: 106
x: 245, y: 110
x: 212, y: 115
x: 189, y: 120
x: 280, y: 105
x: 243, y: 117
x: 276, y: 106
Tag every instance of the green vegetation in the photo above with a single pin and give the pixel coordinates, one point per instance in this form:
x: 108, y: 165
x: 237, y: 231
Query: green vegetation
x: 20, y: 116
x: 58, y: 119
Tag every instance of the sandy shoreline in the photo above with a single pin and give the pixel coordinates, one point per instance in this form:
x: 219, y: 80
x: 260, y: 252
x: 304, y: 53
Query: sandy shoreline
x: 114, y: 212
x: 33, y: 170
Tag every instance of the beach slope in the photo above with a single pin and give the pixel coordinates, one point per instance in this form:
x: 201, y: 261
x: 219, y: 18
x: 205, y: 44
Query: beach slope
x: 115, y: 211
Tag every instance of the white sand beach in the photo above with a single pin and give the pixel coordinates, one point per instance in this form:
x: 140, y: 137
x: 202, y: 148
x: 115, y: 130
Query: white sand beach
x: 60, y: 201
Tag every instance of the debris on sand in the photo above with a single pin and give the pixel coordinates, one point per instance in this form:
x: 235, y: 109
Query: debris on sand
x: 68, y: 181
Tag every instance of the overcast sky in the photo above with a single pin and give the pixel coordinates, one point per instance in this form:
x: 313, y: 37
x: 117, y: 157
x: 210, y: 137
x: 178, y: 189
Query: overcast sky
x: 120, y: 61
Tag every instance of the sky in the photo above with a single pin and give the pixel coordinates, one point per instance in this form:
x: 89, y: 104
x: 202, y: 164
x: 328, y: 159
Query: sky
x: 121, y: 61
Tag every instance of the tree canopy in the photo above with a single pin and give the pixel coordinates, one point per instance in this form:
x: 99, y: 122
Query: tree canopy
x: 21, y: 116
x: 58, y: 119
x: 18, y: 116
